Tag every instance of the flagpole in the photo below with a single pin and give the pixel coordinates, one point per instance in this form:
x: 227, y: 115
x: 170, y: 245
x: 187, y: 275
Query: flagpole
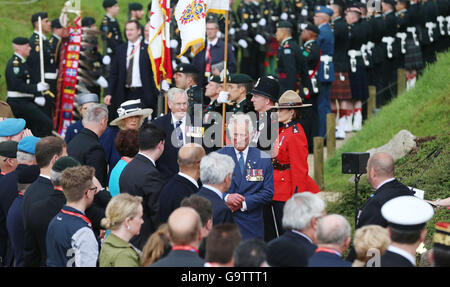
x: 224, y: 123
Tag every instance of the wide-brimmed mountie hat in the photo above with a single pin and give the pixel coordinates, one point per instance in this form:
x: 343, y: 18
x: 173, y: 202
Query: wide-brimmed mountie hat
x: 268, y: 87
x: 290, y: 100
x: 130, y: 109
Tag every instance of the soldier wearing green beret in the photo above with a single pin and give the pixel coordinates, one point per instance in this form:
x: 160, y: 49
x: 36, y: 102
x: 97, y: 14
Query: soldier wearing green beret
x: 239, y: 89
x: 112, y: 37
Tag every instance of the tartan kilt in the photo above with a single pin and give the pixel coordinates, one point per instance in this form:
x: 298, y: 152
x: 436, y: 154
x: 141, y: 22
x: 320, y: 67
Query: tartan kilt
x: 359, y: 84
x: 413, y: 56
x: 340, y: 90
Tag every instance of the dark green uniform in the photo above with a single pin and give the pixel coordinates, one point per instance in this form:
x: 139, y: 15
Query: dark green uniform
x: 195, y: 96
x: 112, y: 36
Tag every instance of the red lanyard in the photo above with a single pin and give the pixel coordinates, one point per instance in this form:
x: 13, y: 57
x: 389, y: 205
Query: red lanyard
x: 185, y: 247
x: 125, y: 160
x: 328, y: 250
x: 78, y: 215
x: 22, y: 193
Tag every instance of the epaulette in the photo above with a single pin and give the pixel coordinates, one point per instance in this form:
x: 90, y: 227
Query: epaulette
x: 295, y: 129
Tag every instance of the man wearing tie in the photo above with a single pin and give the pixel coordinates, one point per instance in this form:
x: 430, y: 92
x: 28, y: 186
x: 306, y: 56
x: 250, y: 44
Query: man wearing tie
x: 252, y: 181
x: 131, y: 73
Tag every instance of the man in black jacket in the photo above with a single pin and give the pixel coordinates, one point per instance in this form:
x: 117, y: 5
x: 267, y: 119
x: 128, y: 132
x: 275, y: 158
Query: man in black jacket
x: 141, y: 178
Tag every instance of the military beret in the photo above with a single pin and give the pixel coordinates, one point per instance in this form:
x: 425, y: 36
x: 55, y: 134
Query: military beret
x: 87, y: 98
x: 135, y: 6
x: 35, y: 16
x: 65, y: 162
x: 8, y: 149
x: 312, y: 28
x: 338, y: 3
x: 390, y: 2
x: 187, y: 68
x: 285, y: 24
x: 354, y: 8
x: 28, y: 144
x: 323, y: 9
x: 109, y: 3
x: 215, y: 79
x: 240, y: 79
x: 56, y: 24
x: 21, y: 41
x: 87, y: 21
x: 28, y: 174
x: 407, y: 213
x: 10, y: 127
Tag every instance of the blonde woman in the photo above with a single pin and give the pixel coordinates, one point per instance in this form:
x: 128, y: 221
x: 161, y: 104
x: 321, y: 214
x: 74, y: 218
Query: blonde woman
x: 157, y: 246
x: 370, y: 241
x: 124, y: 219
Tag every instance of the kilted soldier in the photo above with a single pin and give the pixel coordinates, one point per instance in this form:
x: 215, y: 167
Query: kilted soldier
x: 22, y: 90
x: 358, y: 74
x: 340, y: 89
x: 413, y: 56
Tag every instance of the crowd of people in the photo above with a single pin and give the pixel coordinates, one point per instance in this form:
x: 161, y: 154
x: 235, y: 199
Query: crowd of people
x: 126, y: 185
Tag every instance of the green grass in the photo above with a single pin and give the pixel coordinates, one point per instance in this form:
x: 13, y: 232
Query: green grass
x: 424, y: 111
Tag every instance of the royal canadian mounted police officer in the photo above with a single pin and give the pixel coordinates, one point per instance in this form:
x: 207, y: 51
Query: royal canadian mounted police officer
x: 22, y: 90
x: 326, y: 76
x: 292, y: 69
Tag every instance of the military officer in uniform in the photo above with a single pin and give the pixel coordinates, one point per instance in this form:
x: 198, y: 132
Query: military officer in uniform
x: 22, y: 89
x: 311, y: 52
x: 34, y: 63
x: 326, y: 76
x: 292, y: 69
x: 112, y: 36
x: 239, y: 88
x: 212, y: 115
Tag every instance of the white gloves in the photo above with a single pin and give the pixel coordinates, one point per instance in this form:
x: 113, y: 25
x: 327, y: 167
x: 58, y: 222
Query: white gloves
x: 260, y: 39
x: 40, y: 101
x: 173, y: 44
x: 223, y: 97
x: 262, y: 22
x: 42, y: 87
x: 106, y: 60
x: 284, y: 16
x: 102, y: 82
x: 244, y: 27
x: 184, y: 60
x: 243, y: 43
x: 232, y: 31
x: 165, y: 86
x: 304, y: 12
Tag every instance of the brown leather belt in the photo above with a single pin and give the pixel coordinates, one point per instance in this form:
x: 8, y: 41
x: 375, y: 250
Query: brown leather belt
x: 279, y: 166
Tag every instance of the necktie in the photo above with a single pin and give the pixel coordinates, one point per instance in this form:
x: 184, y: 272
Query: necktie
x: 129, y: 78
x: 208, y: 61
x: 179, y: 133
x: 241, y: 162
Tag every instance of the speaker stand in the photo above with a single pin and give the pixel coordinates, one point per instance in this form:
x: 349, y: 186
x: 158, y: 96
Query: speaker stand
x: 357, y: 178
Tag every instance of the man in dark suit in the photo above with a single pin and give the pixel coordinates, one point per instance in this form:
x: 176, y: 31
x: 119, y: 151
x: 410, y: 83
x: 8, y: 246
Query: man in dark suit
x: 213, y: 54
x: 174, y: 124
x: 131, y: 73
x: 185, y: 182
x: 85, y: 147
x: 407, y: 217
x: 141, y: 178
x: 252, y: 183
x: 216, y: 172
x: 185, y: 234
x: 333, y: 238
x: 298, y: 242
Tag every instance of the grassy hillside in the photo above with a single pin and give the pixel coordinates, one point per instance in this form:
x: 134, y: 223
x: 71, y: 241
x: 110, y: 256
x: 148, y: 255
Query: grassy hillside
x: 16, y: 21
x: 424, y: 111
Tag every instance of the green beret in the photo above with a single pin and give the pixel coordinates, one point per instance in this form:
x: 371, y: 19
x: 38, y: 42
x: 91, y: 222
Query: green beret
x: 65, y: 162
x: 285, y: 24
x: 35, y: 16
x: 240, y: 79
x: 187, y: 69
x: 135, y: 6
x: 21, y: 41
x: 215, y: 79
x: 312, y: 28
x: 109, y: 3
x: 8, y: 149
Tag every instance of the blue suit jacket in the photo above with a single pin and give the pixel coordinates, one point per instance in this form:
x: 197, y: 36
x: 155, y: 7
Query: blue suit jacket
x: 256, y: 193
x: 221, y: 212
x: 326, y: 259
x: 326, y: 43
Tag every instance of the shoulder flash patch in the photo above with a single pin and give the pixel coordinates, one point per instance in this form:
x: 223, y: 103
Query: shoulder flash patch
x: 295, y: 129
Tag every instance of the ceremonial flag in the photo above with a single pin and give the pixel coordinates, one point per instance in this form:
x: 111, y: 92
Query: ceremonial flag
x: 191, y: 19
x: 159, y: 45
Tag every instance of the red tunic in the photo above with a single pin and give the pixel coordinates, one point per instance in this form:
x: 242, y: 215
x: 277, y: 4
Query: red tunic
x: 291, y: 150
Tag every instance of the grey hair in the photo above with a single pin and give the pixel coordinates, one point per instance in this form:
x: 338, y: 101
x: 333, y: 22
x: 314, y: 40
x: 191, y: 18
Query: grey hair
x: 175, y: 91
x: 300, y: 209
x: 333, y: 229
x: 55, y: 176
x: 95, y: 113
x: 240, y: 118
x: 24, y: 157
x: 215, y: 167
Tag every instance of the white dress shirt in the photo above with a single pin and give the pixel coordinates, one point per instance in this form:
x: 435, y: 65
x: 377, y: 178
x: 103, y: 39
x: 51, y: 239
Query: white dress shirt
x: 384, y: 182
x: 216, y: 191
x: 244, y: 152
x: 136, y: 78
x: 188, y: 178
x: 182, y: 126
x: 402, y: 253
x: 148, y: 158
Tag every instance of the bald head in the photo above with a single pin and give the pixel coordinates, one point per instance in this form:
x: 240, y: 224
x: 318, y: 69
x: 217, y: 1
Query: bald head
x: 333, y: 229
x: 185, y: 226
x: 382, y: 163
x: 190, y: 154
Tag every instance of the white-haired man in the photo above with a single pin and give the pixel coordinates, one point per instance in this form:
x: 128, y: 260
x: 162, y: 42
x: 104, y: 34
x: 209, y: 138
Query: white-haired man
x: 216, y: 173
x: 298, y: 243
x: 252, y: 183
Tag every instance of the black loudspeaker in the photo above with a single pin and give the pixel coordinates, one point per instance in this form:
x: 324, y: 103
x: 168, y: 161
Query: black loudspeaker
x: 354, y: 162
